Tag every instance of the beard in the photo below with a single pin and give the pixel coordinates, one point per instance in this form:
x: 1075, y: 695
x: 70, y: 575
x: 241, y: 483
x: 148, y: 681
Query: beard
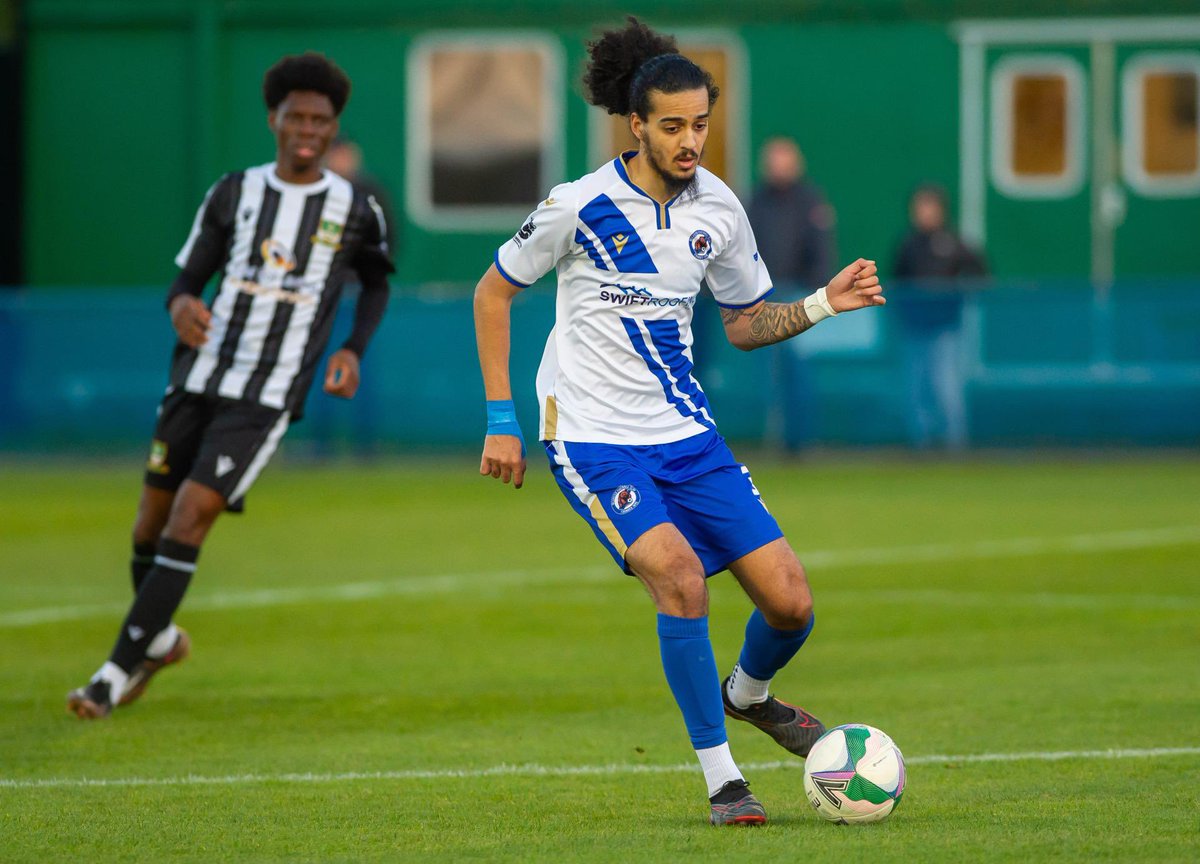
x: 678, y: 187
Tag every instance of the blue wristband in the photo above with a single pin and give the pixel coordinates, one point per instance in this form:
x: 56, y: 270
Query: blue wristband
x: 502, y: 420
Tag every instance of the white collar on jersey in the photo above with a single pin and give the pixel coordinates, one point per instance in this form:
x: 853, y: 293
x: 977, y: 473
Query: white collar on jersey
x: 276, y: 182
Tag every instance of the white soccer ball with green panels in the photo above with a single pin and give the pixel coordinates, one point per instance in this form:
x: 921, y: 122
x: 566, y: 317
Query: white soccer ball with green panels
x: 854, y: 773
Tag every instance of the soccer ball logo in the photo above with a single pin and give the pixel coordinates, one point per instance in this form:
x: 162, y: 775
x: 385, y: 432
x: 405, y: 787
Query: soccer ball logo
x: 625, y: 498
x: 854, y: 773
x: 701, y: 244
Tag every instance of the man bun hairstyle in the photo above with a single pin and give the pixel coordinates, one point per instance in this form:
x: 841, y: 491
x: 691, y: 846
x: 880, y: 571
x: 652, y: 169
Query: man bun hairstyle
x: 625, y: 65
x: 307, y: 71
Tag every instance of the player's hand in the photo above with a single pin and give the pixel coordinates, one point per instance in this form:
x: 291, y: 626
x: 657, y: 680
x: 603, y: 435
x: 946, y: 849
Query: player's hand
x: 191, y: 320
x: 341, y: 374
x: 856, y: 287
x: 503, y: 459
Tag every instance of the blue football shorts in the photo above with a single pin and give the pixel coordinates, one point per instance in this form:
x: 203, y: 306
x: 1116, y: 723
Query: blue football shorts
x: 622, y: 491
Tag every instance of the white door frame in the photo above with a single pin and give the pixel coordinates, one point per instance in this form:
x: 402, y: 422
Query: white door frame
x: 1101, y: 35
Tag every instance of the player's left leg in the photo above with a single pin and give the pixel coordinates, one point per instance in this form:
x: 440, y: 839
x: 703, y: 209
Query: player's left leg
x: 148, y: 640
x: 780, y: 624
x: 236, y: 445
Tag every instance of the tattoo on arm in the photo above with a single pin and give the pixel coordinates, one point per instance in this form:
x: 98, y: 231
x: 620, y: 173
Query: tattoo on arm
x: 771, y: 322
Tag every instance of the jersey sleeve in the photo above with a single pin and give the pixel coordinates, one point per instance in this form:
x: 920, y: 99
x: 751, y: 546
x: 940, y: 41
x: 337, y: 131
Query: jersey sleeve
x: 204, y: 251
x: 373, y: 256
x: 737, y: 275
x: 543, y: 239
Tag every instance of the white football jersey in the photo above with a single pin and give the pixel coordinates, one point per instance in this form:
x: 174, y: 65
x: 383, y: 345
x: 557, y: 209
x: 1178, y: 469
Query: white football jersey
x: 617, y: 368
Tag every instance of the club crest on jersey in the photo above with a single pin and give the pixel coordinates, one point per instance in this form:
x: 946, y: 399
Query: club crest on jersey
x: 701, y: 244
x: 157, y: 463
x: 329, y: 234
x: 625, y: 498
x: 278, y: 256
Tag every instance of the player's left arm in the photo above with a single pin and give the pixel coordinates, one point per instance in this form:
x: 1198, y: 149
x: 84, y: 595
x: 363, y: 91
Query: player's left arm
x: 342, y: 374
x: 373, y: 263
x: 855, y: 287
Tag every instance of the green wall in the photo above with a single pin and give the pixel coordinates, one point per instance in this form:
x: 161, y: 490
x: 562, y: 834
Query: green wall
x: 134, y: 107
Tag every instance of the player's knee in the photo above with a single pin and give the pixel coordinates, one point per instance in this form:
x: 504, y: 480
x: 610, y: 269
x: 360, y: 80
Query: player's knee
x: 794, y: 614
x: 793, y: 608
x: 192, y: 516
x: 145, y: 534
x: 684, y: 598
x: 678, y: 586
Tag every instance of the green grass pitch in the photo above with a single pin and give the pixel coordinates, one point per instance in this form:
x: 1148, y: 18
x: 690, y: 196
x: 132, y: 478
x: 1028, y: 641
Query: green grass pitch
x: 407, y: 662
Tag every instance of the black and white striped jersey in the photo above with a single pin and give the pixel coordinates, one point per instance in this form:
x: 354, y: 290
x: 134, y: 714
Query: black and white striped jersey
x: 284, y: 251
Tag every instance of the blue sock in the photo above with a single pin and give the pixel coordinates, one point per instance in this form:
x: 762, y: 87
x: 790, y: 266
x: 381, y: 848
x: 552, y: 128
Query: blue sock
x: 767, y: 650
x: 687, y: 658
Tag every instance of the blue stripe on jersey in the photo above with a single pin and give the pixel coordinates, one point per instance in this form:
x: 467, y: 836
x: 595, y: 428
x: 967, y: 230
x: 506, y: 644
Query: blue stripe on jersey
x: 590, y: 248
x: 624, y: 246
x: 665, y: 336
x: 674, y: 397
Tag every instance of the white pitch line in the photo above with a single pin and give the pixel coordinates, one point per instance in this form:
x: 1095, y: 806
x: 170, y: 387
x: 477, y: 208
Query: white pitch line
x: 1072, y: 544
x: 535, y: 770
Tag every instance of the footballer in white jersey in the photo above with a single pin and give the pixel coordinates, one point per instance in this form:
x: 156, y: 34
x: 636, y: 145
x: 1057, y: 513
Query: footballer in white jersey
x: 631, y: 438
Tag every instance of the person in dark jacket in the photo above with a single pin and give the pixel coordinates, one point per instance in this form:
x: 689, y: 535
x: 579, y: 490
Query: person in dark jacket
x: 794, y: 226
x: 933, y: 266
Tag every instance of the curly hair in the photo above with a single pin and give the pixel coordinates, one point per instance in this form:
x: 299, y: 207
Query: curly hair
x: 307, y: 71
x: 625, y: 65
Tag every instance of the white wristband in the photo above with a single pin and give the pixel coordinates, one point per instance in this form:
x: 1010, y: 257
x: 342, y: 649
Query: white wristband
x: 817, y: 306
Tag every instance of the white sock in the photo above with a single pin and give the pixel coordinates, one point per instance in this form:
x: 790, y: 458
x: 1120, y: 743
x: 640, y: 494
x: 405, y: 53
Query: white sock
x: 718, y: 766
x: 161, y: 644
x: 744, y: 691
x: 116, y: 678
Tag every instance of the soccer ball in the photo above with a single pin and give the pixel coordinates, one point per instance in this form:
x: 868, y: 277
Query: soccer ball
x: 854, y: 773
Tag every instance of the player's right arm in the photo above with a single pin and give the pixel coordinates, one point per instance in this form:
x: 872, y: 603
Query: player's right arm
x: 201, y: 256
x: 542, y: 241
x: 503, y: 454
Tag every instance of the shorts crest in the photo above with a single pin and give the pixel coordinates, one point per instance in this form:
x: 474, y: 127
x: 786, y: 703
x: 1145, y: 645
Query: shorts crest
x: 625, y: 498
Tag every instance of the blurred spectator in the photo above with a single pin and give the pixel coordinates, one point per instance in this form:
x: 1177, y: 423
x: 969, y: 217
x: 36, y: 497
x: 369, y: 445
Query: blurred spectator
x: 345, y: 158
x: 794, y: 227
x: 931, y: 265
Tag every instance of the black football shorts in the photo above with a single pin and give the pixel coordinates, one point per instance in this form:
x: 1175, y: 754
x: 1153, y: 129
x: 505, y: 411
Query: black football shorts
x: 222, y: 443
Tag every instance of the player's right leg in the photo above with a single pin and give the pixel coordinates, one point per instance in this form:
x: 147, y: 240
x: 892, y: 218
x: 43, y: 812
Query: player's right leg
x: 153, y: 509
x: 664, y: 562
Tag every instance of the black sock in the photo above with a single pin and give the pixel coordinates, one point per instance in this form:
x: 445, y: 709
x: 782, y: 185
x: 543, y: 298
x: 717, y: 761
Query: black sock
x: 160, y: 595
x: 140, y: 564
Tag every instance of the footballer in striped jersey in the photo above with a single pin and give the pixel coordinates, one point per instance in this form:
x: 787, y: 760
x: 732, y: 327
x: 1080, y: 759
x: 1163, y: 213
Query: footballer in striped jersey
x: 284, y: 237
